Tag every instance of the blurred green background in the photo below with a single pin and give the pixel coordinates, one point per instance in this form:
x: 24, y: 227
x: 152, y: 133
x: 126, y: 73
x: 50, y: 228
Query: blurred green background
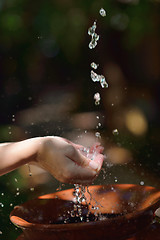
x: 46, y: 89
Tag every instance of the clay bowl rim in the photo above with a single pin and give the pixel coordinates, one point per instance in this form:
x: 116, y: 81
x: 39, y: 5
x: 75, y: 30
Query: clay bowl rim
x: 23, y: 224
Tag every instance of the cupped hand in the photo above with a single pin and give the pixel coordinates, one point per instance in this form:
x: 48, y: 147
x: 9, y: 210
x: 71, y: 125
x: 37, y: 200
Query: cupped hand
x: 69, y: 162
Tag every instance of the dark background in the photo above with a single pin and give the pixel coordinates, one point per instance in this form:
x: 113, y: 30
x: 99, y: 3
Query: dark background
x: 45, y: 87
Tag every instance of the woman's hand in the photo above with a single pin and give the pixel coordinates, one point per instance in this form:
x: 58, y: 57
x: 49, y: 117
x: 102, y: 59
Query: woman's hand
x: 69, y: 162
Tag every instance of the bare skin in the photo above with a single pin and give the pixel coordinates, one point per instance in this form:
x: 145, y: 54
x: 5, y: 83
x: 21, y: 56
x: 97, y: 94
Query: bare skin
x: 60, y: 157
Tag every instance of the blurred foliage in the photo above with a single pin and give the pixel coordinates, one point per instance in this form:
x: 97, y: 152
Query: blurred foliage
x: 44, y: 47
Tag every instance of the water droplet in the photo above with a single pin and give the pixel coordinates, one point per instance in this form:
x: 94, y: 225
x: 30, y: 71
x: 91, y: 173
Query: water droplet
x: 0, y: 232
x: 115, y: 179
x: 103, y: 82
x: 102, y: 12
x: 17, y: 193
x: 15, y: 180
x: 94, y: 65
x: 32, y: 189
x: 11, y: 204
x: 141, y: 183
x: 97, y: 98
x: 94, y: 36
x: 98, y: 135
x: 29, y: 169
x: 2, y: 194
x: 17, y: 189
x: 115, y: 132
x: 1, y: 204
x: 99, y: 78
x: 94, y: 76
x: 92, y: 29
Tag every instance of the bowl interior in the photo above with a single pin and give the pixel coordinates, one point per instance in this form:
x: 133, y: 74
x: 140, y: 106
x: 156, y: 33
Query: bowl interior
x: 112, y: 201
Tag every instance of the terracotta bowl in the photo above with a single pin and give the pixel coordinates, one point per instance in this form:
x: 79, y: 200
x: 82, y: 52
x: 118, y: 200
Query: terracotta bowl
x: 125, y: 208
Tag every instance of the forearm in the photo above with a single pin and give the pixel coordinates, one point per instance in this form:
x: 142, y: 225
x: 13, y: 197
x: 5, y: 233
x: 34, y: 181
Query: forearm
x: 14, y: 155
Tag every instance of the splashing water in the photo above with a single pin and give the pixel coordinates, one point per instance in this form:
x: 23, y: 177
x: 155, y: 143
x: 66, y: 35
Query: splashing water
x: 99, y: 78
x: 94, y: 36
x: 102, y: 12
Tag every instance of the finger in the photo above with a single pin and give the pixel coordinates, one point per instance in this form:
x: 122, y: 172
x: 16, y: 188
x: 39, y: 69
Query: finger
x: 78, y: 174
x: 95, y: 147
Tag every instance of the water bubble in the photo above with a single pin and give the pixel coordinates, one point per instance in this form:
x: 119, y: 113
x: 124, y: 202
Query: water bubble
x: 102, y: 12
x: 115, y: 132
x: 97, y: 98
x: 94, y: 65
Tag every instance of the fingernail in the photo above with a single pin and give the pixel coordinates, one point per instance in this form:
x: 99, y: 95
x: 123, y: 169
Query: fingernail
x: 94, y: 165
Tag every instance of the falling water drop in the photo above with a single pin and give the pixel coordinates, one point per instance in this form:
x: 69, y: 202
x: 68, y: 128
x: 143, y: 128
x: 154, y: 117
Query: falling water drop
x: 29, y: 169
x: 115, y: 132
x: 141, y: 183
x: 94, y: 76
x: 102, y: 12
x: 94, y: 36
x: 97, y: 98
x: 103, y: 82
x: 94, y: 65
x: 98, y: 135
